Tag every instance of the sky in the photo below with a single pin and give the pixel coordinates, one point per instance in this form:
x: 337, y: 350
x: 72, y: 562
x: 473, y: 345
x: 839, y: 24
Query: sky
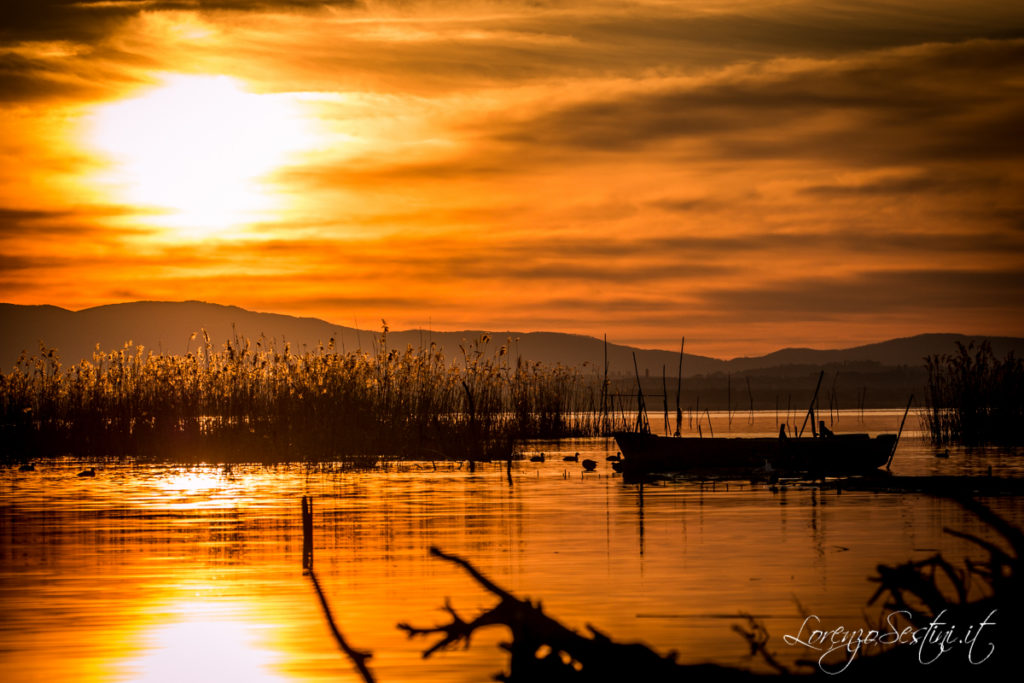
x: 751, y: 175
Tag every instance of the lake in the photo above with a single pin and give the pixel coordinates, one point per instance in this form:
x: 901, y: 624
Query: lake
x: 164, y: 573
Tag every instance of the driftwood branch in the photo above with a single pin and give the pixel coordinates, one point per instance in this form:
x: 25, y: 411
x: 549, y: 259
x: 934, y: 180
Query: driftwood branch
x: 756, y: 636
x: 543, y: 650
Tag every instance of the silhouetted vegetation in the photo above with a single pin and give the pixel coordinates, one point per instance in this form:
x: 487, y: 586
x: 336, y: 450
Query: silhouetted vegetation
x: 251, y: 401
x: 934, y: 591
x: 975, y: 398
x: 543, y: 650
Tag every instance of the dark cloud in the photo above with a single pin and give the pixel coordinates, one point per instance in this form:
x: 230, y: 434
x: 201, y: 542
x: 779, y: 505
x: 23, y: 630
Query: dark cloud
x: 22, y: 79
x: 355, y: 301
x: 641, y: 306
x: 687, y: 205
x: 885, y: 186
x: 876, y: 292
x: 10, y: 263
x: 18, y: 215
x: 938, y: 102
x: 81, y: 222
x: 90, y: 20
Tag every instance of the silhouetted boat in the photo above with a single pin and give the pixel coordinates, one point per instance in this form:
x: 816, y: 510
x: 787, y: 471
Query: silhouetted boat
x: 645, y: 453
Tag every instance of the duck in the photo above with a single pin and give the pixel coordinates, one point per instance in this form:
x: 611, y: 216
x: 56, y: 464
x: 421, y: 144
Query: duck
x: 614, y: 458
x: 942, y: 454
x: 571, y: 458
x: 537, y: 458
x: 589, y: 465
x: 91, y: 472
x: 28, y: 467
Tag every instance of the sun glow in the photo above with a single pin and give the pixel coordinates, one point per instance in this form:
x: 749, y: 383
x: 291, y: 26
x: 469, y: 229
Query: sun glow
x: 205, y: 648
x: 199, y: 150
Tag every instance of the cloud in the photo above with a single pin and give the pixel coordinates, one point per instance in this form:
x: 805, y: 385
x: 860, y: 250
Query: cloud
x: 881, y: 291
x: 936, y: 102
x: 89, y: 20
x: 638, y: 169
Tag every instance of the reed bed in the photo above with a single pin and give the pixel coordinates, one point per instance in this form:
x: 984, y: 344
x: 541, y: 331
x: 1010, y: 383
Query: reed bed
x: 974, y: 398
x: 254, y: 401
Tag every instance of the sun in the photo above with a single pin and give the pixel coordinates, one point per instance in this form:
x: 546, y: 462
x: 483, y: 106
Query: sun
x: 198, y: 150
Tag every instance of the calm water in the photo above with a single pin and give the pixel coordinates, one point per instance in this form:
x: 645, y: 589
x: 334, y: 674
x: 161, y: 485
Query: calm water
x: 192, y: 573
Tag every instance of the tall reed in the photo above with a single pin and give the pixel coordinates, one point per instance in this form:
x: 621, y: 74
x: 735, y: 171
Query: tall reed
x: 975, y: 398
x: 257, y: 400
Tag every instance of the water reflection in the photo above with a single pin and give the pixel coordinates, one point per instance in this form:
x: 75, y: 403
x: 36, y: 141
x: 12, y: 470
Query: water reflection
x: 170, y: 573
x: 205, y: 644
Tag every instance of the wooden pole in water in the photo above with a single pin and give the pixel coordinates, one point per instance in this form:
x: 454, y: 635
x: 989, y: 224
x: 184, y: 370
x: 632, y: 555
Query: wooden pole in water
x: 834, y: 399
x: 810, y: 410
x: 664, y: 397
x: 750, y: 395
x: 679, y: 389
x: 642, y: 424
x: 307, y: 532
x: 604, y: 389
x: 900, y: 432
x: 728, y: 398
x: 358, y: 657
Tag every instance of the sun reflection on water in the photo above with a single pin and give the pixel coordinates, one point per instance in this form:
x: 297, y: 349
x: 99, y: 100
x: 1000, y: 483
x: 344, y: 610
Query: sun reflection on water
x: 205, y: 646
x: 193, y: 481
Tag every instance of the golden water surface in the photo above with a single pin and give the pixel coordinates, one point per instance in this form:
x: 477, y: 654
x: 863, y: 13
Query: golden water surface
x: 168, y: 573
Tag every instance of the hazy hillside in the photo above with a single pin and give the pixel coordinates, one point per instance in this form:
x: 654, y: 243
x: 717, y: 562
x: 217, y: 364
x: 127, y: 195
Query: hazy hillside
x: 169, y: 326
x: 904, y: 351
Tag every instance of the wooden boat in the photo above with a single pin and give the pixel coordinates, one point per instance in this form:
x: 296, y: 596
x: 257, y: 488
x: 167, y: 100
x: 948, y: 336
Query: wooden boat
x: 645, y: 453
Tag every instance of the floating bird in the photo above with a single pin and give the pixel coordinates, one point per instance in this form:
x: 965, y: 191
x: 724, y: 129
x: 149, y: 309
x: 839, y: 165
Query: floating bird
x: 27, y: 468
x: 91, y: 472
x: 537, y: 458
x: 617, y: 465
x: 942, y: 454
x: 614, y: 458
x: 572, y: 458
x: 589, y: 465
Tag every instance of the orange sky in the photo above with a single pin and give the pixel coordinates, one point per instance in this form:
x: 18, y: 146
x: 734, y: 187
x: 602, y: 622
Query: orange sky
x: 750, y: 174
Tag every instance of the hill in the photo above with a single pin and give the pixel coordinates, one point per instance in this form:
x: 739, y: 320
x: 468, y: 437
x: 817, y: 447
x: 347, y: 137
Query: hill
x: 168, y: 327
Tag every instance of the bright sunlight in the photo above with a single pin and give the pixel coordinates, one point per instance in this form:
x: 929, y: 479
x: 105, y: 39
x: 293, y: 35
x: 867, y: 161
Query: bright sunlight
x: 198, y: 151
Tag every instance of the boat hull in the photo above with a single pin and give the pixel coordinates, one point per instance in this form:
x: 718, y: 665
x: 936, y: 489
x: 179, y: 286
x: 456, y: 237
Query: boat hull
x: 843, y: 454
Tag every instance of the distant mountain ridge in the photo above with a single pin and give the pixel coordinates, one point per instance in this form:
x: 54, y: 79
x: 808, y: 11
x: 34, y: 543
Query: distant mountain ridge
x: 168, y: 327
